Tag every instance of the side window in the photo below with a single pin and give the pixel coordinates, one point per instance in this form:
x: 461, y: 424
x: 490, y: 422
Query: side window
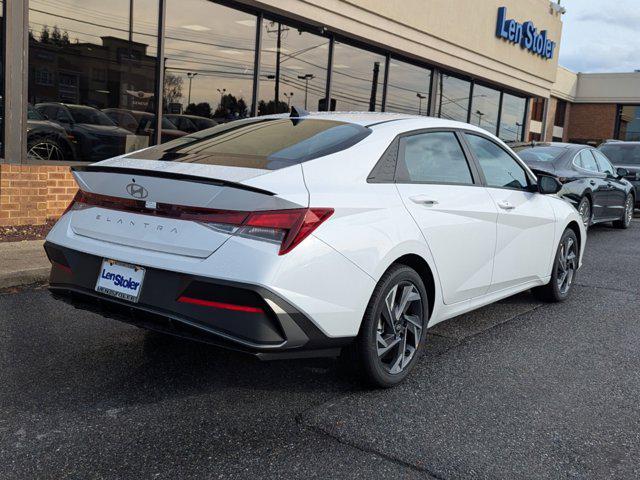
x: 604, y: 165
x: 433, y: 157
x: 499, y: 168
x: 585, y: 160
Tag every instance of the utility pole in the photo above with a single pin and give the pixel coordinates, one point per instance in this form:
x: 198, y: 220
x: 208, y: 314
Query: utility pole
x: 190, y: 76
x: 480, y: 115
x: 306, y: 78
x: 374, y: 87
x: 279, y: 31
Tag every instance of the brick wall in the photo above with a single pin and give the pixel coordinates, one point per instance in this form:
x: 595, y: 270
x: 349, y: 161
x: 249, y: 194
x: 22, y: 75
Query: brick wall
x: 591, y: 122
x: 33, y: 194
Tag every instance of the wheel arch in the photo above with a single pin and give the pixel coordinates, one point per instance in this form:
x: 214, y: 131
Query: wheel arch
x: 421, y: 266
x: 573, y: 225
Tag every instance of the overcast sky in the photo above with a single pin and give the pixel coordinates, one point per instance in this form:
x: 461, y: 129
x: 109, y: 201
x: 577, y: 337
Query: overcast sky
x: 601, y: 35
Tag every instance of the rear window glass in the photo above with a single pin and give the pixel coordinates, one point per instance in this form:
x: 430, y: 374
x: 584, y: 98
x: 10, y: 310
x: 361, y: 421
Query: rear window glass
x: 622, y: 154
x: 261, y: 143
x: 540, y: 154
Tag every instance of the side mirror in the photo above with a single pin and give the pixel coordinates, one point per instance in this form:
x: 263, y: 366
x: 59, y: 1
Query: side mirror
x: 622, y: 172
x: 548, y: 184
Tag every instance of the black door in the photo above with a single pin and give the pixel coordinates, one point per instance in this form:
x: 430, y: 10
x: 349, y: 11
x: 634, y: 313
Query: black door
x: 595, y: 182
x: 617, y: 189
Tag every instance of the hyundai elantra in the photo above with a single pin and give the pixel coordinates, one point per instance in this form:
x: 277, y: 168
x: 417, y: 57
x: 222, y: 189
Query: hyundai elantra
x: 314, y: 235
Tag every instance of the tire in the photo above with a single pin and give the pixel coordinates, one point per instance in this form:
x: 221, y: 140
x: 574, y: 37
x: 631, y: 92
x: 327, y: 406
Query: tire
x: 43, y: 148
x: 377, y: 353
x: 585, y: 211
x: 559, y: 287
x: 625, y: 221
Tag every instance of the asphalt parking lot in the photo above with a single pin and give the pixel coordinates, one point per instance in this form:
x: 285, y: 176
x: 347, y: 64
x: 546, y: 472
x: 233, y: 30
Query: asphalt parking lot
x: 518, y: 389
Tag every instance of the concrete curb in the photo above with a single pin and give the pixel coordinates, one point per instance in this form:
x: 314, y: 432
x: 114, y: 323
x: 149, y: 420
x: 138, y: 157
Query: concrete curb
x: 24, y: 277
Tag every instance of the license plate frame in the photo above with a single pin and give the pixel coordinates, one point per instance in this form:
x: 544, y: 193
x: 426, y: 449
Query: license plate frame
x: 107, y: 281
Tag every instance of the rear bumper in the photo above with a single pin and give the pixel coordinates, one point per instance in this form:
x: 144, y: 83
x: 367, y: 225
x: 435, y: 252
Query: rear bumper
x: 277, y: 330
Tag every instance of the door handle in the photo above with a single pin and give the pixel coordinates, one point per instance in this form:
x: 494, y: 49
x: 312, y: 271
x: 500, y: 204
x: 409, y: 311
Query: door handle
x: 506, y: 205
x: 423, y: 200
x: 592, y: 182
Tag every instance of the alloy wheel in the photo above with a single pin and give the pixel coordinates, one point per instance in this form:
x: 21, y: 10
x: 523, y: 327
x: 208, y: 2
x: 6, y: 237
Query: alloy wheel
x: 45, y: 150
x: 567, y: 265
x: 399, y: 327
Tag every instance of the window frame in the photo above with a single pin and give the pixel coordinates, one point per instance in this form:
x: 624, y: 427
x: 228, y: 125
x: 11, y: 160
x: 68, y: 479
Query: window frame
x: 402, y: 141
x: 531, y: 178
x: 582, y: 169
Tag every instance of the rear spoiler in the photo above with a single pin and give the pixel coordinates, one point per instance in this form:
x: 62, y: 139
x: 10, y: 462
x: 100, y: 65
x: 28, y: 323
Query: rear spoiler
x: 168, y: 175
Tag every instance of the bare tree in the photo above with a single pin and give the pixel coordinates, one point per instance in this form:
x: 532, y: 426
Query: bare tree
x: 172, y: 88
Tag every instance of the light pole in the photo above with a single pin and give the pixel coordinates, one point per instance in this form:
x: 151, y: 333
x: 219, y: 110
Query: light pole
x: 288, y: 96
x: 518, y: 125
x: 421, y: 97
x: 306, y: 78
x: 480, y: 115
x: 221, y: 92
x: 190, y: 76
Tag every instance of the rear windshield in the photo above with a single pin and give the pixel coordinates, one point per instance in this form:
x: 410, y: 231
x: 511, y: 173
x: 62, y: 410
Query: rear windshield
x: 270, y: 144
x: 90, y: 116
x: 540, y: 154
x: 621, y: 154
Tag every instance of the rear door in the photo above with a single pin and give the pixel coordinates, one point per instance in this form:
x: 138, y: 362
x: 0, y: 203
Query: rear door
x: 457, y: 217
x: 588, y: 168
x: 616, y: 189
x: 526, y: 222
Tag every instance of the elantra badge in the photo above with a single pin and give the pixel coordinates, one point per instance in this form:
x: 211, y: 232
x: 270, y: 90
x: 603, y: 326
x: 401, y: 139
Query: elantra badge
x: 137, y: 191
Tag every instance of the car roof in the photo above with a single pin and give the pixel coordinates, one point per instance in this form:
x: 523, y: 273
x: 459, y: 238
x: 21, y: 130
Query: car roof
x: 369, y: 119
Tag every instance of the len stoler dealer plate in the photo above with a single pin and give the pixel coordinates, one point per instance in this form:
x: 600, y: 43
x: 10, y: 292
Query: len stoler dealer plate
x: 120, y: 280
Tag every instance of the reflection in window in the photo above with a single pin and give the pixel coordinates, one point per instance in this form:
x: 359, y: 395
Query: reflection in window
x: 293, y: 68
x: 484, y: 108
x: 499, y: 168
x: 86, y: 56
x: 512, y: 117
x: 209, y: 52
x: 453, y: 98
x: 629, y: 123
x: 408, y: 88
x: 357, y: 79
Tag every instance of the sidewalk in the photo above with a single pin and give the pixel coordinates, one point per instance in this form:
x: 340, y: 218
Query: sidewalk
x: 22, y: 263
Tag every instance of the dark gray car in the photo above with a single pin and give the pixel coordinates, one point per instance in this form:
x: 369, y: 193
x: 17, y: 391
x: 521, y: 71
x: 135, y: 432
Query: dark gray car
x: 590, y: 183
x: 627, y: 156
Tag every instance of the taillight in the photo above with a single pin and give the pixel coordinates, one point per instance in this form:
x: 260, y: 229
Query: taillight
x: 286, y: 228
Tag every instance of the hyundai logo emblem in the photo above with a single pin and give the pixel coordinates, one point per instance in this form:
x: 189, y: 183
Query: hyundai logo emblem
x: 137, y: 191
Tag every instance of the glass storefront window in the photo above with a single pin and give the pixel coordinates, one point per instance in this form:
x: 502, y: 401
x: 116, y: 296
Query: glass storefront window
x: 629, y: 123
x: 357, y: 79
x: 293, y: 68
x: 408, y: 88
x: 485, y: 105
x: 88, y: 61
x: 512, y: 117
x: 2, y: 40
x: 209, y: 56
x: 453, y: 98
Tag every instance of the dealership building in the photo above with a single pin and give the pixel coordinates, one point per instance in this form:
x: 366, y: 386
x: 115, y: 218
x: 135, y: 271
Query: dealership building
x: 85, y: 80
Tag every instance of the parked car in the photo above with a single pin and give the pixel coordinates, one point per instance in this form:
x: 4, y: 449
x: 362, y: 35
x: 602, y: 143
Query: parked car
x: 190, y: 123
x: 590, y: 183
x: 625, y: 155
x: 143, y: 123
x: 46, y: 140
x: 246, y: 237
x: 93, y: 135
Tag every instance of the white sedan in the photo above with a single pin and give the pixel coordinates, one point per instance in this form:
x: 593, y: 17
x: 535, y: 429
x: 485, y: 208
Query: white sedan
x: 312, y: 234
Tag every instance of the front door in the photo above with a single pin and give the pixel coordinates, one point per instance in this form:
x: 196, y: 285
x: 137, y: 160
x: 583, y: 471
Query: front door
x: 526, y: 221
x: 454, y: 212
x: 616, y: 189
